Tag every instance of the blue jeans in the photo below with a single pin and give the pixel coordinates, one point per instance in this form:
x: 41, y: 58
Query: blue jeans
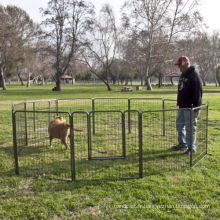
x: 183, y: 127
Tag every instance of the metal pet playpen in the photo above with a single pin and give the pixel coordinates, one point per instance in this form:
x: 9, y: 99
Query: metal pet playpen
x: 121, y: 138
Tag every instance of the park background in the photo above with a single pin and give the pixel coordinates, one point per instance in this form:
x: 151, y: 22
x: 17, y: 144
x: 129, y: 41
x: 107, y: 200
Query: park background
x: 130, y: 53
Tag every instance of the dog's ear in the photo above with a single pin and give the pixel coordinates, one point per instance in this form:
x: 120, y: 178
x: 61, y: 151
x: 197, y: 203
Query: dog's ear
x: 67, y: 125
x: 59, y: 118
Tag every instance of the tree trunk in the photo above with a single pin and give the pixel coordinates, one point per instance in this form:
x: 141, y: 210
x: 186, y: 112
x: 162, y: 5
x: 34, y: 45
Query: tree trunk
x: 19, y: 77
x: 171, y: 80
x: 148, y: 83
x: 58, y: 85
x: 142, y: 81
x: 3, y: 85
x: 58, y: 81
x: 109, y: 88
x: 126, y: 81
x: 148, y: 63
x: 217, y: 77
x: 28, y: 79
x: 159, y: 81
x: 73, y: 79
x: 108, y: 85
x: 34, y: 81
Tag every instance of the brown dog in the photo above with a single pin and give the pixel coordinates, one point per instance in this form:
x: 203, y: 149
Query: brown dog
x: 58, y: 128
x: 58, y: 120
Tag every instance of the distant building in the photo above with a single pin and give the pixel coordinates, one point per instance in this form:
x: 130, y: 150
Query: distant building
x: 170, y: 76
x: 66, y: 79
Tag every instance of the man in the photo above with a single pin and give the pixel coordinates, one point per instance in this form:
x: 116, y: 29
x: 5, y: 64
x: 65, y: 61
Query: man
x: 189, y: 96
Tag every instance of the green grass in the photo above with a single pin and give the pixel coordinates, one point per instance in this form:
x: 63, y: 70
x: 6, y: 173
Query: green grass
x: 189, y: 194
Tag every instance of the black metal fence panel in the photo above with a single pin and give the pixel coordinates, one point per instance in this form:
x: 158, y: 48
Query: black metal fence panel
x: 109, y: 138
x: 35, y: 155
x: 110, y: 104
x: 201, y: 135
x: 74, y: 105
x: 146, y: 104
x: 105, y: 154
x: 158, y: 155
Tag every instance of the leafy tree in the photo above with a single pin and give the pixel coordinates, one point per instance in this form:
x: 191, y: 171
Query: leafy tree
x: 17, y: 32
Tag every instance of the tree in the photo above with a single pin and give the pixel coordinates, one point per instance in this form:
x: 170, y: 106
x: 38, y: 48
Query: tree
x: 67, y: 22
x: 159, y: 21
x: 6, y: 44
x: 17, y: 32
x: 100, y: 49
x: 42, y: 65
x: 215, y: 48
x: 203, y: 56
x: 217, y: 76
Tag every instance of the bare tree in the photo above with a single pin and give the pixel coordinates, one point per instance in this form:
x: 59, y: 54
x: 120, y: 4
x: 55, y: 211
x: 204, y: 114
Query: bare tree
x: 215, y: 48
x: 159, y: 21
x: 43, y: 63
x: 100, y: 49
x: 217, y: 73
x: 67, y: 22
x: 203, y: 56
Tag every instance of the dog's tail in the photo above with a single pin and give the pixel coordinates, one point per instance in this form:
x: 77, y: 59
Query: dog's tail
x: 75, y: 129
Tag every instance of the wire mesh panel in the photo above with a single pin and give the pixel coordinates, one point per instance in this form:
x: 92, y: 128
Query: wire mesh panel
x: 158, y: 155
x: 18, y: 107
x: 110, y: 104
x: 80, y: 145
x: 133, y: 161
x: 35, y: 155
x: 170, y: 104
x: 39, y: 105
x: 145, y: 104
x: 201, y: 134
x: 76, y: 104
x: 105, y: 156
x: 108, y: 142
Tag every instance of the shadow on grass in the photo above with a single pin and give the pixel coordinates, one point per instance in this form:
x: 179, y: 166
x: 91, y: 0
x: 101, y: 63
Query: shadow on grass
x: 57, y: 165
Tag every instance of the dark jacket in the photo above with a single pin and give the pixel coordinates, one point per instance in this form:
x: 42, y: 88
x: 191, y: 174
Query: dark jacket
x: 189, y: 89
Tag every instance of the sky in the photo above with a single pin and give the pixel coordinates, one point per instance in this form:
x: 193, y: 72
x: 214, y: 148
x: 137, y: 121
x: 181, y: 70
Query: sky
x: 208, y: 8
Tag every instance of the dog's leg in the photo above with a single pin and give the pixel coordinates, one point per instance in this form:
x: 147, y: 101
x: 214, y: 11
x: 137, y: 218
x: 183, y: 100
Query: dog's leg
x: 51, y: 141
x: 64, y: 142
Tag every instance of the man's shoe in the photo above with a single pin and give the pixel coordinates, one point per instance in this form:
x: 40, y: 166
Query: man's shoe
x: 179, y: 147
x: 188, y: 152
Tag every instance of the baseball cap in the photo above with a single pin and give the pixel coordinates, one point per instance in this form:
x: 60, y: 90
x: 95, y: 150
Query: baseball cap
x: 181, y: 59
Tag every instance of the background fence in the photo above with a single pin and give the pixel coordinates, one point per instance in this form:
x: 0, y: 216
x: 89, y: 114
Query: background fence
x: 120, y: 138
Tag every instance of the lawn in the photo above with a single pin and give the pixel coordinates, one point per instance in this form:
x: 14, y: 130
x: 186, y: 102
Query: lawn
x: 189, y: 194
